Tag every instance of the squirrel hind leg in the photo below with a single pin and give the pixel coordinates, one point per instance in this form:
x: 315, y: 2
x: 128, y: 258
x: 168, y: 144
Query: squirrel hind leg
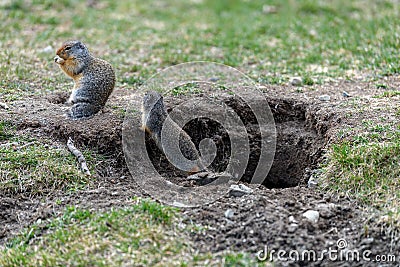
x: 83, y: 111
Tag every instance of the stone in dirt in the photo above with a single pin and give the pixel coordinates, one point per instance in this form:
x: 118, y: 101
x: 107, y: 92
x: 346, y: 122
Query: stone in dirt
x: 238, y: 190
x: 229, y: 213
x: 311, y: 215
x: 203, y: 178
x: 312, y: 182
x: 324, y: 97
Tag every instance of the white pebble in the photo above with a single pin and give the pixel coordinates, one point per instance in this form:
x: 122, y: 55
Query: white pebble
x: 324, y: 97
x: 238, y: 190
x: 229, y: 213
x: 311, y: 215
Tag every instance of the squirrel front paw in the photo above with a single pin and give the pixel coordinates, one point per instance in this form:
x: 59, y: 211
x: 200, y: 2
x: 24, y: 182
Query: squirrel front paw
x: 58, y: 60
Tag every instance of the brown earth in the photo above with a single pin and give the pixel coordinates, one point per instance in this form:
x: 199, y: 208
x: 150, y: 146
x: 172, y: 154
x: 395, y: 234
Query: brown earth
x: 305, y: 127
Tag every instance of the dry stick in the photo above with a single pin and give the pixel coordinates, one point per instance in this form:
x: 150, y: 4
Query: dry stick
x: 15, y: 145
x: 78, y: 155
x: 9, y: 144
x: 4, y: 105
x: 23, y: 146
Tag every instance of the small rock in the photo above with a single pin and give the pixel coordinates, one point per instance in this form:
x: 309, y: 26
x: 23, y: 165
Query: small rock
x: 213, y: 79
x: 311, y: 215
x: 230, y: 222
x: 204, y: 178
x: 267, y: 9
x: 345, y: 94
x: 179, y: 204
x: 229, y: 213
x: 312, y: 182
x: 238, y: 190
x: 292, y: 219
x: 385, y: 218
x: 48, y: 49
x: 292, y: 227
x: 296, y: 81
x: 324, y: 97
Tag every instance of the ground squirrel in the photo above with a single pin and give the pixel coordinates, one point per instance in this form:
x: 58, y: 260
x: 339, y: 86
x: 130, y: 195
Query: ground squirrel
x: 94, y: 79
x: 154, y: 115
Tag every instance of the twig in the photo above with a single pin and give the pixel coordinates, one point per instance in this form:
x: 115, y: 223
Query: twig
x: 4, y: 105
x: 15, y: 145
x: 9, y: 144
x: 23, y: 146
x: 78, y: 155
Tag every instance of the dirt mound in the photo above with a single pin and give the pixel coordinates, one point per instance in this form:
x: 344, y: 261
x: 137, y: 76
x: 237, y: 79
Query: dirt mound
x: 268, y: 217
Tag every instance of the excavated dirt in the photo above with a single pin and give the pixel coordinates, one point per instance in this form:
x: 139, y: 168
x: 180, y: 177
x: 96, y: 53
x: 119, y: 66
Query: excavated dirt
x: 270, y: 216
x: 298, y: 147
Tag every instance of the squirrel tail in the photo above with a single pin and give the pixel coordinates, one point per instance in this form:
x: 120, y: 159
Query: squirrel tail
x: 83, y: 110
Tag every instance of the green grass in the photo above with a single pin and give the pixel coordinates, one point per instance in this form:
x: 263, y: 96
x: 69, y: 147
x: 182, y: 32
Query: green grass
x: 312, y: 39
x: 141, y: 235
x: 189, y: 88
x: 366, y: 168
x: 31, y: 167
x: 390, y: 93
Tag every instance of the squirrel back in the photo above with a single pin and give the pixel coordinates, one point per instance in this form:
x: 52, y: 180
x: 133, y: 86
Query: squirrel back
x: 154, y: 115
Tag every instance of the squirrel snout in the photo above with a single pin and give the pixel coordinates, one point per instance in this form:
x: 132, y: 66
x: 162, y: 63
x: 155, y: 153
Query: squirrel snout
x: 58, y: 60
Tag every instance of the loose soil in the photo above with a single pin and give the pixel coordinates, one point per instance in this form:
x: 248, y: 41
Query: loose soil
x: 270, y: 216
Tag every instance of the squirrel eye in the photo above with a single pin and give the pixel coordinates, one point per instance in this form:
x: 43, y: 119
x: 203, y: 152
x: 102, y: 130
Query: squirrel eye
x: 67, y: 48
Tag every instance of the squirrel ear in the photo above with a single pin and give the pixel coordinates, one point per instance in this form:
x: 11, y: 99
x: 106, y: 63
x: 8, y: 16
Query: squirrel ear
x: 81, y: 45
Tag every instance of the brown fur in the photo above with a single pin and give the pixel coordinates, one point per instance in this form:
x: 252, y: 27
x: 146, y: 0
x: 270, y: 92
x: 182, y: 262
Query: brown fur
x: 94, y: 79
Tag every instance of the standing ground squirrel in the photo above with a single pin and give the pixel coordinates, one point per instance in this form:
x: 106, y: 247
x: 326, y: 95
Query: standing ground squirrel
x: 94, y: 79
x: 154, y: 115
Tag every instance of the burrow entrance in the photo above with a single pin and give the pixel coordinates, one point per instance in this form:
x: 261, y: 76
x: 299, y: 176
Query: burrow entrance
x: 299, y: 144
x: 301, y: 137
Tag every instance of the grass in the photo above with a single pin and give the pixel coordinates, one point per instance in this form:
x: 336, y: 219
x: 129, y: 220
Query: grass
x: 366, y: 168
x: 189, y: 88
x: 141, y: 235
x: 311, y: 39
x: 31, y: 167
x: 390, y: 93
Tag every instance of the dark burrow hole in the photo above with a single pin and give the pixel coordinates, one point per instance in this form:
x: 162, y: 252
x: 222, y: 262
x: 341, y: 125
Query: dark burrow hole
x: 299, y: 144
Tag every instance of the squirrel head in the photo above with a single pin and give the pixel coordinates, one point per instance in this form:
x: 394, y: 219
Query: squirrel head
x: 73, y: 50
x: 152, y: 99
